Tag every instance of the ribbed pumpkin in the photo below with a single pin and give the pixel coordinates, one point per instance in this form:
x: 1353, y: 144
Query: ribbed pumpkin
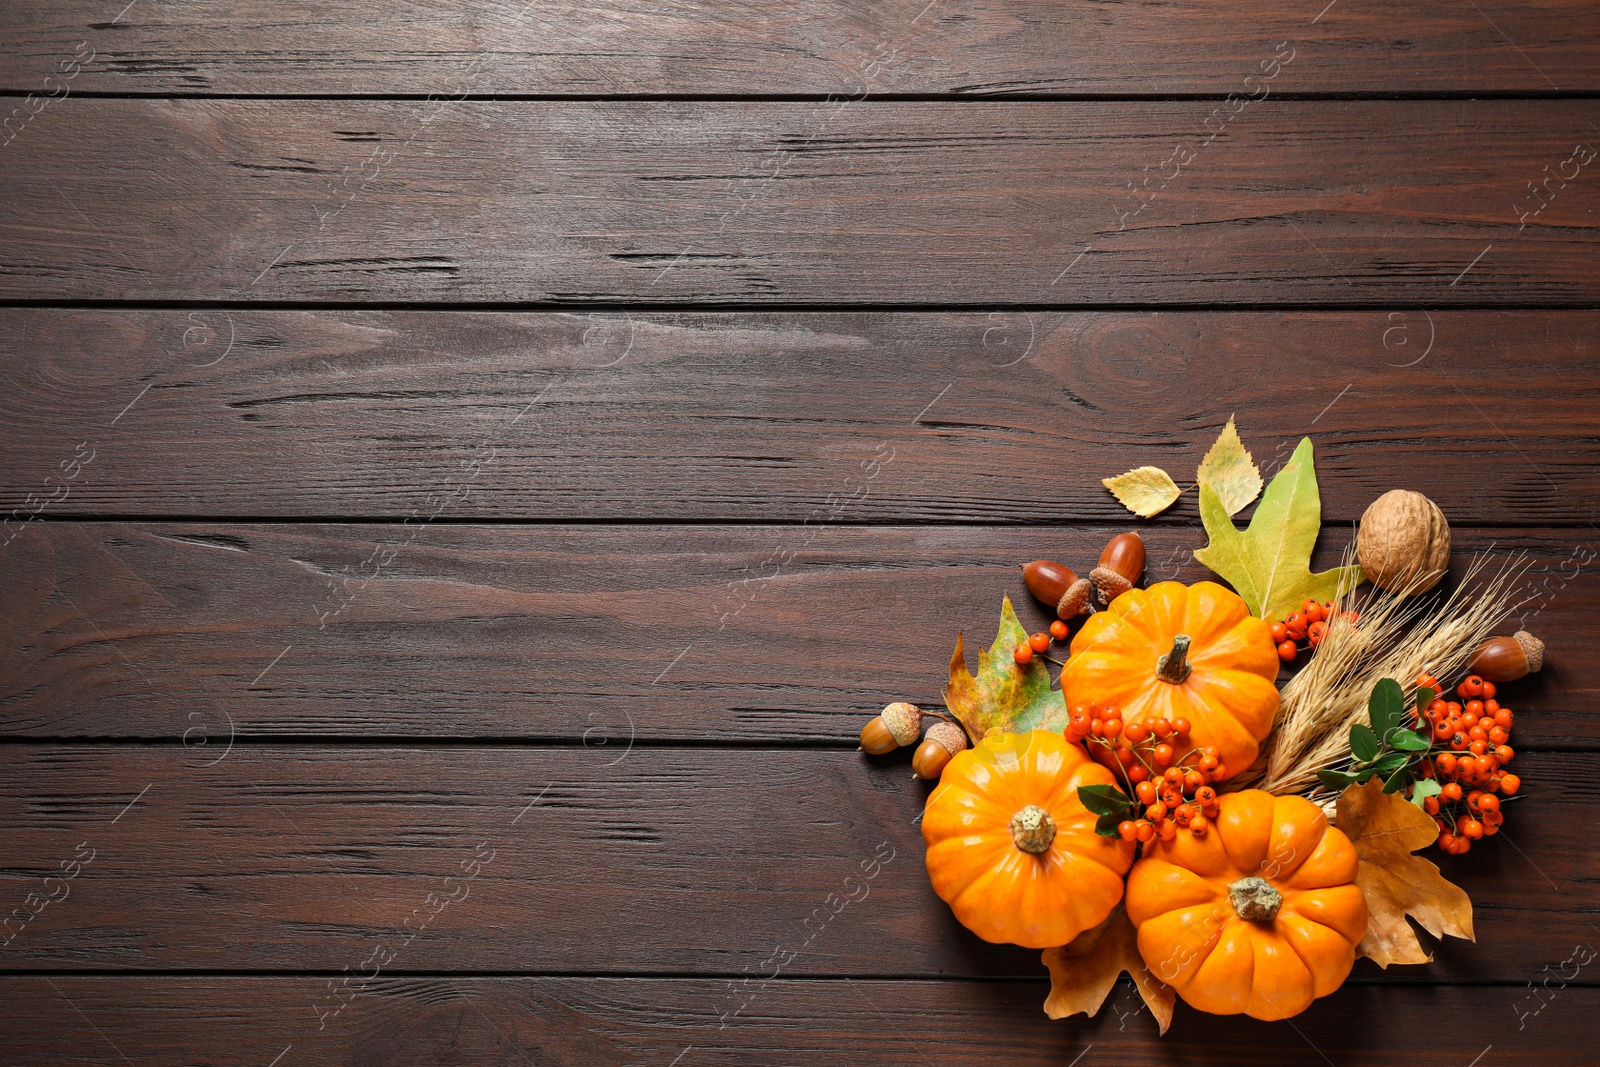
x: 1176, y: 651
x: 1013, y: 850
x: 1262, y: 915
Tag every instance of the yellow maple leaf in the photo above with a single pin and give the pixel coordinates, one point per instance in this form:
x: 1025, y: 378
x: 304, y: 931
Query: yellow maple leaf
x: 1229, y: 471
x: 1083, y: 972
x: 1145, y: 491
x: 1386, y: 829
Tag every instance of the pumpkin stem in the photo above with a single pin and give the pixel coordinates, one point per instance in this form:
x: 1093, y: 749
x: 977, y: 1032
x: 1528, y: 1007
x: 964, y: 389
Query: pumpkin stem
x: 1032, y: 829
x: 1174, y: 667
x: 1254, y: 899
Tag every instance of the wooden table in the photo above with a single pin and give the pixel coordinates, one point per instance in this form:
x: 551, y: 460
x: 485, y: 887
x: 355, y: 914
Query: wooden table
x: 472, y: 469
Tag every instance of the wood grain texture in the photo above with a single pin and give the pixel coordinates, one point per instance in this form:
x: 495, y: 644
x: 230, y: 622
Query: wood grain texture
x: 677, y: 861
x: 615, y: 416
x: 583, y: 1021
x: 988, y: 205
x: 592, y: 635
x: 788, y: 46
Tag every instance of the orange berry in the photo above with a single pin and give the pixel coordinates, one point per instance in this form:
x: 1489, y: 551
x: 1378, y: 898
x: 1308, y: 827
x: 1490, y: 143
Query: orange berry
x: 1286, y: 651
x: 1193, y: 780
x: 1023, y: 655
x: 1162, y: 755
x: 1472, y: 687
x: 1173, y: 775
x: 1316, y: 632
x: 1451, y: 791
x: 1509, y: 784
x: 1503, y: 753
x: 1137, y: 773
x: 1503, y: 718
x: 1180, y: 727
x: 1161, y: 728
x: 1144, y: 829
x: 1058, y: 630
x: 1280, y: 633
x: 1220, y: 773
x: 1136, y: 732
x: 1125, y: 756
x: 1427, y: 681
x: 1296, y: 624
x: 1098, y: 728
x: 1498, y: 735
x: 1039, y: 642
x: 1489, y: 691
x: 1467, y: 767
x: 1489, y: 804
x: 1446, y: 763
x: 1146, y: 792
x: 1494, y: 817
x: 1472, y: 828
x: 1475, y: 707
x: 1447, y: 841
x: 1167, y: 831
x: 1430, y: 805
x: 1156, y: 812
x: 1127, y: 830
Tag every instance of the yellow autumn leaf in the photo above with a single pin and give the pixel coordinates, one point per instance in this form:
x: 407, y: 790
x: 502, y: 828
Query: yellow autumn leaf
x: 1145, y: 491
x: 1386, y: 829
x: 1083, y: 972
x: 1229, y: 471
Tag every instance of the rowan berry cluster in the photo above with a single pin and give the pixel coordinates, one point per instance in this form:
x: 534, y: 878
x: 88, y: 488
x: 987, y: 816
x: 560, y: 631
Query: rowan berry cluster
x: 1309, y: 624
x: 1168, y: 778
x: 1038, y: 643
x: 1471, y: 774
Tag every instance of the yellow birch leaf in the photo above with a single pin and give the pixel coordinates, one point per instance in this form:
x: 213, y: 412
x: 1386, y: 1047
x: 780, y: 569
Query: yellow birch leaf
x: 1229, y: 471
x: 1083, y: 972
x: 1386, y: 828
x: 1145, y: 491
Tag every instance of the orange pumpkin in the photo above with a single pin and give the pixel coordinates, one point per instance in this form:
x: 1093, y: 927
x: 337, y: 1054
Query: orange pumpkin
x: 1013, y: 850
x: 1175, y: 651
x: 1262, y: 915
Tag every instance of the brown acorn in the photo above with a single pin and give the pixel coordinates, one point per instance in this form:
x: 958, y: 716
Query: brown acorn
x: 1121, y: 567
x: 944, y: 740
x: 1057, y: 586
x: 1505, y: 659
x: 896, y: 725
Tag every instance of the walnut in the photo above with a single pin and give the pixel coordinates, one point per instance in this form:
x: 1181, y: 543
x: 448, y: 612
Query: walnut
x: 1404, y: 543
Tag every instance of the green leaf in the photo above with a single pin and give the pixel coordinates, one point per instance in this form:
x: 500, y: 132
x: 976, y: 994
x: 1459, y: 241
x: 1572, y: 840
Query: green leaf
x: 1385, y: 706
x: 1104, y: 799
x: 1408, y: 741
x: 1363, y: 743
x: 1145, y: 491
x: 1268, y: 564
x: 1424, y: 788
x: 1425, y: 696
x: 1107, y: 825
x: 1230, y: 472
x: 1363, y: 775
x: 1336, y: 780
x: 1003, y: 696
x: 1398, y: 780
x: 1391, y: 762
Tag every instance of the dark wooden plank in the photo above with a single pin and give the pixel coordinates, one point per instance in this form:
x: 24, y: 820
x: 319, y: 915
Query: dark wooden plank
x: 989, y: 416
x: 571, y: 1021
x: 787, y: 46
x: 511, y: 202
x: 588, y: 634
x: 685, y: 861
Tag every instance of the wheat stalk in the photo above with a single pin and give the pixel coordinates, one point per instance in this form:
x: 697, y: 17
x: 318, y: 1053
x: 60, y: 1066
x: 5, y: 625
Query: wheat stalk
x: 1397, y: 637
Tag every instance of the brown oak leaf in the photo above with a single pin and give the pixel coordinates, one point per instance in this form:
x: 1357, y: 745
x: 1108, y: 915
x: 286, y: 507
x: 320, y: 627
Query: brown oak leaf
x: 1386, y: 829
x: 1083, y: 972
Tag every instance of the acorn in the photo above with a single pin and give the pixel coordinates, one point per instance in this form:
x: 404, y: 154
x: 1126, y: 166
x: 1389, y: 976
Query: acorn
x: 1058, y: 586
x: 1121, y: 567
x: 944, y: 740
x: 1505, y: 659
x: 896, y: 725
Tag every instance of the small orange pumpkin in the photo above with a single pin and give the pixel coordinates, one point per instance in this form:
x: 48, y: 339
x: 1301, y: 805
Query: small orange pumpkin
x: 1175, y: 651
x: 1013, y: 850
x: 1262, y: 915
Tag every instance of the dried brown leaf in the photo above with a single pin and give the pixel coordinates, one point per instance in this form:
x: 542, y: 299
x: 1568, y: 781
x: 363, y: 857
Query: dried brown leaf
x: 1386, y: 829
x: 1083, y: 972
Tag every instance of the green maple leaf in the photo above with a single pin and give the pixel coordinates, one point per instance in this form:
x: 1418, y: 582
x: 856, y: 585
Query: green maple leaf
x: 1003, y: 696
x: 1269, y: 564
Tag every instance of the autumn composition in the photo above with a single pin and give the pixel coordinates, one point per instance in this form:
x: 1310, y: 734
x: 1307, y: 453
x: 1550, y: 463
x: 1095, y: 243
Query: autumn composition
x: 1226, y: 789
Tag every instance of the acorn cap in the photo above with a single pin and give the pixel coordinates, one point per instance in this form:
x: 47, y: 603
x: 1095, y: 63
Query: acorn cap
x: 903, y: 720
x: 1532, y: 647
x: 1108, y: 584
x: 1075, y: 601
x: 948, y: 734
